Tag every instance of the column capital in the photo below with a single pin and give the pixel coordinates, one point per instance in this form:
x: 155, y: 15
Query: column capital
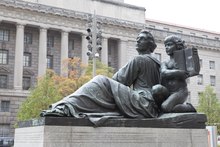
x: 45, y: 27
x: 65, y: 33
x: 83, y: 35
x: 106, y: 36
x: 65, y: 30
x: 84, y: 32
x: 123, y: 39
x: 20, y: 25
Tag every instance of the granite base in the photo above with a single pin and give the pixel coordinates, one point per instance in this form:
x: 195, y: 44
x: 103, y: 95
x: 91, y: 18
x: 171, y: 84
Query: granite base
x: 71, y: 136
x: 171, y: 130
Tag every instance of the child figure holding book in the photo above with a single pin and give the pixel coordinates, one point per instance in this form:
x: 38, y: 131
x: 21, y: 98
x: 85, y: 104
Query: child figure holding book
x: 171, y: 95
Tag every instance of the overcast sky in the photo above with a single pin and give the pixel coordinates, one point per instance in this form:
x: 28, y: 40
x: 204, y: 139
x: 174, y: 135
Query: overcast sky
x: 201, y: 14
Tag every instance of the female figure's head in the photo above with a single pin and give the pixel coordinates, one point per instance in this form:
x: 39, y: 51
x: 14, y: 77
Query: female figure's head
x: 145, y: 42
x: 173, y: 43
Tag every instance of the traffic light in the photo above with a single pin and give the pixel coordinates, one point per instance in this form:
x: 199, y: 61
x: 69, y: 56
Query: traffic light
x: 89, y: 34
x: 94, y: 40
x: 89, y: 38
x: 94, y: 37
x: 99, y: 41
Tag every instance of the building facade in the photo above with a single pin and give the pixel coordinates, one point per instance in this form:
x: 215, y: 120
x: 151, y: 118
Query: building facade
x: 40, y: 34
x: 208, y: 45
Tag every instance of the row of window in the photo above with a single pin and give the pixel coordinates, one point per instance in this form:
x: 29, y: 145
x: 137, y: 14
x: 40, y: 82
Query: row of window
x: 211, y: 64
x: 27, y: 60
x: 5, y: 106
x: 200, y: 80
x: 4, y: 130
x: 4, y: 82
x: 28, y: 37
x: 4, y: 55
x: 4, y: 35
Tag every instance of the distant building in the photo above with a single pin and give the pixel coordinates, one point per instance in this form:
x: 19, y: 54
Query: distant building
x: 40, y: 34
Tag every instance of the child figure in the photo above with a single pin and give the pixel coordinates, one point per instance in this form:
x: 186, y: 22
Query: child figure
x: 172, y: 93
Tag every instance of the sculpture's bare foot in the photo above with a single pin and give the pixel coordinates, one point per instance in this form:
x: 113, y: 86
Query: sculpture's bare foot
x: 58, y: 111
x: 184, y: 108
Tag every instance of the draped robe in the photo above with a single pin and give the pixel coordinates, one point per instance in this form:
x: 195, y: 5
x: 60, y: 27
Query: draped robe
x: 127, y: 94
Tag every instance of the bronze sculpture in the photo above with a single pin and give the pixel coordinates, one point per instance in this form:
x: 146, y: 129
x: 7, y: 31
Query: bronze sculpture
x: 174, y: 74
x: 103, y: 97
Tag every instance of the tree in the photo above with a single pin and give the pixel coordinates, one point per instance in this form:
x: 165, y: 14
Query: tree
x: 101, y: 69
x: 79, y: 74
x: 43, y: 94
x: 210, y: 105
x: 52, y: 87
x: 76, y: 76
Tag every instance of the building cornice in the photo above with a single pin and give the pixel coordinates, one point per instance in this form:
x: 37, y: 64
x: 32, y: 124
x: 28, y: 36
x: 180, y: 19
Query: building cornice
x: 68, y: 13
x: 181, y: 26
x: 196, y: 41
x: 13, y: 93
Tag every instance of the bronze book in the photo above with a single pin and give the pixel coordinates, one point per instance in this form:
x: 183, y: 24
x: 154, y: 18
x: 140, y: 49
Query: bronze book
x: 188, y: 60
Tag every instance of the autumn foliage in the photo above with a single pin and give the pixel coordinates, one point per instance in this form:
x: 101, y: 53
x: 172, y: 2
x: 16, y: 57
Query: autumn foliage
x: 53, y: 87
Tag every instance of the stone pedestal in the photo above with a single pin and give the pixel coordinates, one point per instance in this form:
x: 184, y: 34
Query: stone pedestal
x: 70, y: 132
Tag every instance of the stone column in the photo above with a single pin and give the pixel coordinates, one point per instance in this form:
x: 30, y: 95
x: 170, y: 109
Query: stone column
x: 104, y: 51
x: 64, y: 53
x: 84, y: 56
x: 122, y: 53
x: 19, y: 53
x: 42, y: 59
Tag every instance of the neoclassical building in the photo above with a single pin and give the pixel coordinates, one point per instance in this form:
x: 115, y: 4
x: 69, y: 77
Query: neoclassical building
x: 208, y: 45
x: 40, y: 34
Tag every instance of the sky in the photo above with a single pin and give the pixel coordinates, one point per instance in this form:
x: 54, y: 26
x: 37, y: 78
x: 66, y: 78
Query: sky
x: 200, y: 14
